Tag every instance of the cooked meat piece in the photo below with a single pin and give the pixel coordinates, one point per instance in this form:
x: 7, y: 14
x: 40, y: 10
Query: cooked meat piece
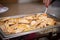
x: 51, y: 21
x: 33, y: 23
x: 4, y: 19
x: 44, y: 14
x: 23, y: 21
x: 26, y: 23
x: 19, y: 30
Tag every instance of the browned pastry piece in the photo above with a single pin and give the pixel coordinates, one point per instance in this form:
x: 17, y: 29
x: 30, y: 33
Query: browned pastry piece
x: 26, y: 23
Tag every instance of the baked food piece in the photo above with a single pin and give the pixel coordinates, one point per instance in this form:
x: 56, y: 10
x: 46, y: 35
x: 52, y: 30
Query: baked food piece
x: 26, y: 23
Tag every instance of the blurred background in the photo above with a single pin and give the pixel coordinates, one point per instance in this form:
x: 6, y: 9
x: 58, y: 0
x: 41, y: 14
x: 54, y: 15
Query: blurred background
x: 17, y: 7
x: 19, y: 1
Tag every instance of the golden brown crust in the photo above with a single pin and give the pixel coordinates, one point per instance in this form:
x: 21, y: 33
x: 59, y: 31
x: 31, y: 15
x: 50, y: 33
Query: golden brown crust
x: 27, y: 23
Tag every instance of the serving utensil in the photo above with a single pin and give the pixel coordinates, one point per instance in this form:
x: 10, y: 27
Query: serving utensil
x: 46, y: 10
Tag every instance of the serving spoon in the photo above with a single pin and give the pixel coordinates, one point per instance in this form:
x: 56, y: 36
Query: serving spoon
x: 46, y: 10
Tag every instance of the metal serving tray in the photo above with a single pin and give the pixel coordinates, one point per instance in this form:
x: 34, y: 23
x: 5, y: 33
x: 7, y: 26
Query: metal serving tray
x: 29, y: 32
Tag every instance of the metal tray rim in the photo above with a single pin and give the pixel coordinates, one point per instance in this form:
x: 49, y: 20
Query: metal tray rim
x: 24, y: 33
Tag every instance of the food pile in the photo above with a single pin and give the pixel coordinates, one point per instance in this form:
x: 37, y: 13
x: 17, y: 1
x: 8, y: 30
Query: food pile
x: 26, y: 23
